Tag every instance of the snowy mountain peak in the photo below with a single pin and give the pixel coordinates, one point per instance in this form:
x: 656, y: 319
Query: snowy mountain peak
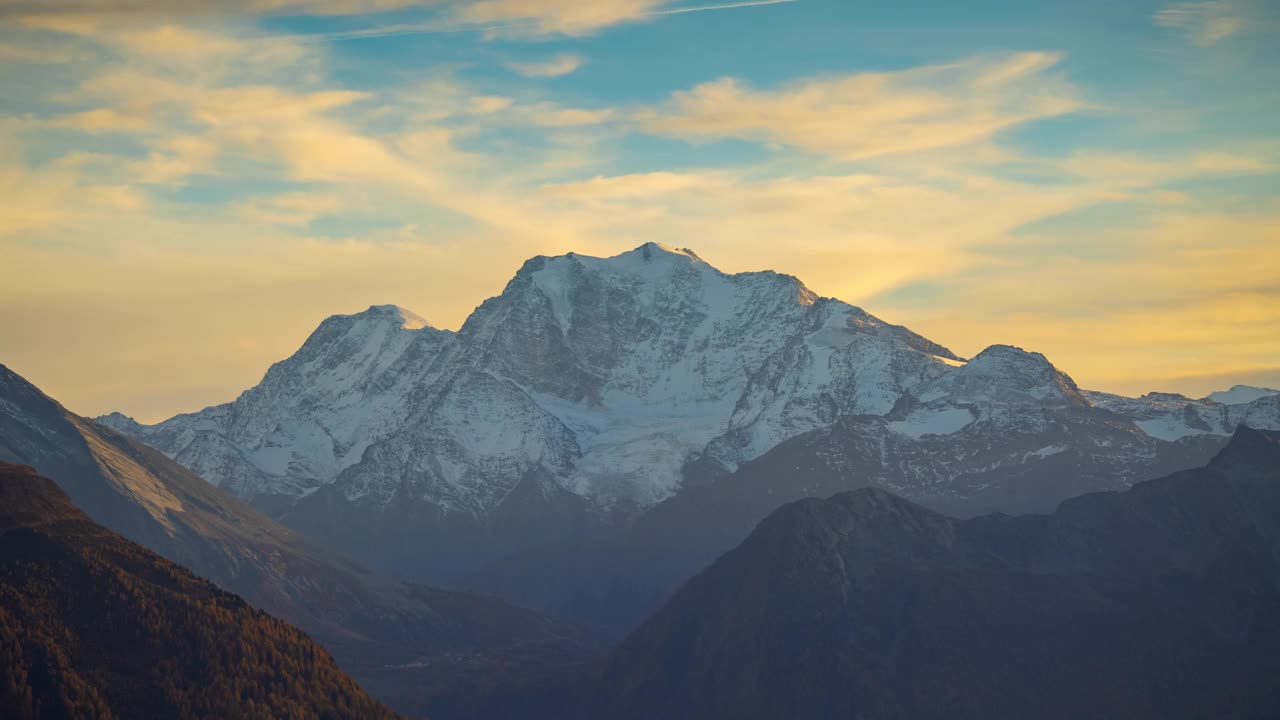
x: 313, y: 414
x: 405, y: 319
x: 1241, y: 395
x: 355, y: 348
x: 599, y: 379
x: 1009, y: 373
x: 657, y: 252
x: 1166, y: 397
x: 1011, y: 354
x: 120, y: 423
x: 1011, y: 361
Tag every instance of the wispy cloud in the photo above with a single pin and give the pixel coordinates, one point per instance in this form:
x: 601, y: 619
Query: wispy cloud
x: 869, y: 114
x: 535, y: 18
x: 875, y: 183
x: 557, y: 66
x: 102, y: 120
x: 1206, y: 23
x: 721, y: 6
x: 188, y: 8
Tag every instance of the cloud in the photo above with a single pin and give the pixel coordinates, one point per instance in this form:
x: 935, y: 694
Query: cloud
x: 893, y: 230
x: 118, y: 197
x: 174, y: 159
x: 170, y: 41
x: 28, y: 54
x: 864, y: 115
x: 1131, y: 170
x: 102, y: 120
x: 295, y: 208
x: 32, y: 200
x: 556, y: 17
x: 540, y: 18
x: 557, y: 66
x: 551, y: 115
x: 488, y: 104
x: 510, y: 18
x: 721, y: 6
x: 1205, y: 23
x: 425, y: 172
x: 178, y: 8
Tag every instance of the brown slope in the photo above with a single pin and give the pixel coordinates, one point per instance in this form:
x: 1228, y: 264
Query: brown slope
x: 95, y: 626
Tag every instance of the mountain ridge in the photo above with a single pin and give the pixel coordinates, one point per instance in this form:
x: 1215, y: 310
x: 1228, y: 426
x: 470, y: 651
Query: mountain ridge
x: 1158, y: 602
x: 369, y: 622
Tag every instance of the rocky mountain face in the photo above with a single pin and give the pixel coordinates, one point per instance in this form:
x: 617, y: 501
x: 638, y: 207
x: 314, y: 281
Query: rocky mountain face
x: 94, y: 626
x: 1162, y: 601
x: 611, y: 401
x: 385, y: 632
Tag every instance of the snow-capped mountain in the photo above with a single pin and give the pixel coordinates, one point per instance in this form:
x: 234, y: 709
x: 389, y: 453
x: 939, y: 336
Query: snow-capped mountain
x: 1005, y: 431
x: 1171, y: 417
x: 1241, y: 395
x: 596, y: 389
x: 312, y: 415
x: 607, y: 373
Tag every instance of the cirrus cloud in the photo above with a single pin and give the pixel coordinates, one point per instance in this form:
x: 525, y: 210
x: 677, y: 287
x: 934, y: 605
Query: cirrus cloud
x: 864, y: 115
x: 1205, y: 23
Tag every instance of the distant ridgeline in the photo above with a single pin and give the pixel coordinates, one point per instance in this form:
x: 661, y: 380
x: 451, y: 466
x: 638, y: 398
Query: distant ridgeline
x: 1159, y: 602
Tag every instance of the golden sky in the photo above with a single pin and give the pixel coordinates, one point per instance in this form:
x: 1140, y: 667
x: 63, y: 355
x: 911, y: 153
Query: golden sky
x: 186, y: 196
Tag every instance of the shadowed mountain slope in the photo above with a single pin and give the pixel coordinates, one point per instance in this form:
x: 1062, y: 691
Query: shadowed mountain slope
x: 374, y: 626
x: 95, y: 626
x: 1159, y: 602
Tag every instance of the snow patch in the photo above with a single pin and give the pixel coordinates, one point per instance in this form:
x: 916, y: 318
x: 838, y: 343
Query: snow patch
x: 933, y: 422
x: 1169, y: 428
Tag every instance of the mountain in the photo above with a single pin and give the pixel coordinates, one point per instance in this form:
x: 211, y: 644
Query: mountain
x: 95, y: 626
x: 406, y: 639
x: 1005, y: 431
x: 1162, y: 601
x: 311, y: 416
x: 647, y: 402
x: 1172, y: 417
x: 1241, y: 395
x: 578, y: 394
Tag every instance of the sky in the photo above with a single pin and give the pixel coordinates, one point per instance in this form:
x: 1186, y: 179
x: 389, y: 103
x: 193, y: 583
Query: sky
x: 188, y: 187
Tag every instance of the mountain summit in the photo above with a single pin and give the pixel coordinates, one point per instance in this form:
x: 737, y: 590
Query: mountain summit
x: 1241, y: 395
